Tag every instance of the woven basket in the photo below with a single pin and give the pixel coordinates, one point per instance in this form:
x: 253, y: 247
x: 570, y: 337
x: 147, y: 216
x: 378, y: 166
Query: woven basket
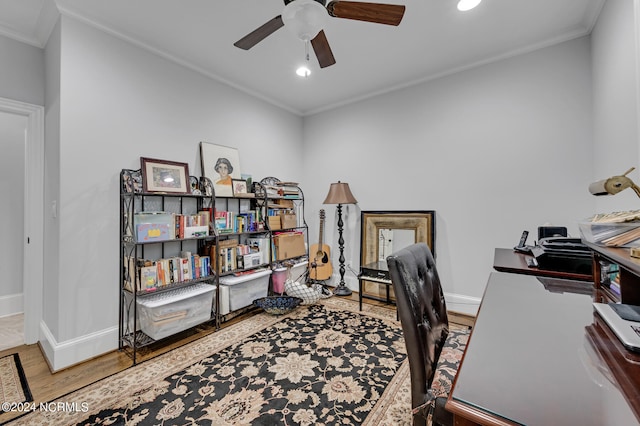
x: 309, y: 295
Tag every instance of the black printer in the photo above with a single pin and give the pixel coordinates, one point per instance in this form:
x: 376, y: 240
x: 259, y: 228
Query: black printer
x: 563, y: 254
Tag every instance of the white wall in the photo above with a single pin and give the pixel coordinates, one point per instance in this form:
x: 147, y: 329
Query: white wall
x: 12, y: 161
x: 21, y: 72
x: 615, y: 91
x: 494, y: 150
x: 118, y: 103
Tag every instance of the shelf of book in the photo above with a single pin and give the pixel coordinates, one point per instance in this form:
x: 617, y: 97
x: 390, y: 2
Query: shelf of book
x: 627, y: 276
x: 174, y: 241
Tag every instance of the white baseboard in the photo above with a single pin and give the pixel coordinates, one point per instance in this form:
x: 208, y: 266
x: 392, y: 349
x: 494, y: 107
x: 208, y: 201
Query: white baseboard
x: 455, y: 302
x: 71, y: 352
x: 74, y: 351
x: 11, y: 305
x: 463, y: 304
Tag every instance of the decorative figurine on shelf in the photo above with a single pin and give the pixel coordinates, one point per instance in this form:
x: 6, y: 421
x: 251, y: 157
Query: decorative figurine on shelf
x: 206, y: 186
x: 195, y: 187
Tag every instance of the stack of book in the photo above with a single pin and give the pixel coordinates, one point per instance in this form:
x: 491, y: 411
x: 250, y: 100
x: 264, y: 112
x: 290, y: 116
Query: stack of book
x: 618, y: 229
x: 156, y: 274
x: 232, y: 256
x: 289, y: 189
x: 227, y: 222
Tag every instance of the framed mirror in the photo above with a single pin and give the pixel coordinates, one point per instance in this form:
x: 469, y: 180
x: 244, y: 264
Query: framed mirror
x: 384, y: 232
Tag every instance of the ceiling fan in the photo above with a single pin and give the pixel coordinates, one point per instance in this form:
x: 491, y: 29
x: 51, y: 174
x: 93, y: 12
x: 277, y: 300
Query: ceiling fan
x: 388, y: 14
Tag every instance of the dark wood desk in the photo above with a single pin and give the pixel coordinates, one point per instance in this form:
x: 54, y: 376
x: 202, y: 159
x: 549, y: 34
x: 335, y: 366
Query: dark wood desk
x: 509, y: 260
x: 538, y: 357
x: 629, y: 273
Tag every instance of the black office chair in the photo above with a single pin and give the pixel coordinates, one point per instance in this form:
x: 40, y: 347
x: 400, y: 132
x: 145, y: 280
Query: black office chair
x: 425, y: 325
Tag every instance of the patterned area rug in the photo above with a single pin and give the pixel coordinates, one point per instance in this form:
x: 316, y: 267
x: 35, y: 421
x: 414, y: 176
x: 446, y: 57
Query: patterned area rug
x: 394, y: 408
x: 325, y: 364
x: 13, y: 382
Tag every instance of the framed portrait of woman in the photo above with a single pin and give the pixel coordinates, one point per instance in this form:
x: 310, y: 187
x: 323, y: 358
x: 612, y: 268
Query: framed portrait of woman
x: 221, y: 164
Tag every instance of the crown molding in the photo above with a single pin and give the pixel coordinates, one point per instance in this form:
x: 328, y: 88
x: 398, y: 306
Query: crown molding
x: 175, y: 59
x: 47, y: 19
x: 45, y: 23
x: 592, y: 14
x: 576, y: 33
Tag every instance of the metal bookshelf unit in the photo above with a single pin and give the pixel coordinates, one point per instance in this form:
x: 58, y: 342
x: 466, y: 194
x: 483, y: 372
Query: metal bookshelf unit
x: 193, y: 261
x: 155, y: 306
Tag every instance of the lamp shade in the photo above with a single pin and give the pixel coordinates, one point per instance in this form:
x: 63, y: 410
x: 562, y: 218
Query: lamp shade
x: 614, y: 184
x: 610, y: 186
x: 304, y: 18
x: 339, y: 193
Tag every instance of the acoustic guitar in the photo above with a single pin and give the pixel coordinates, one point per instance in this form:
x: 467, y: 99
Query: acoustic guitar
x: 320, y: 268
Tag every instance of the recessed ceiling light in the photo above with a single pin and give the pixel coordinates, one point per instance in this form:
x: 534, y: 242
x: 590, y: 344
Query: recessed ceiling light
x: 303, y: 71
x: 464, y: 5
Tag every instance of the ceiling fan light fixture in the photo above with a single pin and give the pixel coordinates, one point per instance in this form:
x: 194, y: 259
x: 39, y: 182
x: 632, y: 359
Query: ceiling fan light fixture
x: 464, y: 5
x: 303, y: 71
x: 304, y: 18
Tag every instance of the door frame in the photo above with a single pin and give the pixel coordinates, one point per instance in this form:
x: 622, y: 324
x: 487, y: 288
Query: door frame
x: 33, y: 248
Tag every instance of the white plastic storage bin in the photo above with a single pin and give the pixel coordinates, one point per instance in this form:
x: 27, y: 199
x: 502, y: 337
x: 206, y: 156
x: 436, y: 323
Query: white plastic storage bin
x: 244, y: 289
x: 167, y: 313
x: 298, y: 270
x: 224, y: 300
x: 154, y: 226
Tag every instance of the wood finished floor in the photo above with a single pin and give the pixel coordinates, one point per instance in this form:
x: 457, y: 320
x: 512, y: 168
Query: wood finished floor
x: 46, y: 386
x: 11, y: 331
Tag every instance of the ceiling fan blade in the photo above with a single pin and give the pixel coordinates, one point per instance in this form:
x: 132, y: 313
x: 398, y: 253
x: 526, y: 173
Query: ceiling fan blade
x: 259, y: 34
x: 389, y: 14
x: 323, y: 50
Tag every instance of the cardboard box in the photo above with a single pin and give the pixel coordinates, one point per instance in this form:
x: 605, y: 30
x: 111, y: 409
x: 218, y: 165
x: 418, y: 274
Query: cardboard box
x: 252, y: 259
x: 285, y: 203
x: 288, y: 220
x: 227, y: 243
x: 289, y: 245
x: 274, y: 223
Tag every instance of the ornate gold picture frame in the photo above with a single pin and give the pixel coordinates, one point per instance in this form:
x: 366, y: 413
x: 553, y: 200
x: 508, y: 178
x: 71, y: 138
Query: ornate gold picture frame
x: 410, y: 226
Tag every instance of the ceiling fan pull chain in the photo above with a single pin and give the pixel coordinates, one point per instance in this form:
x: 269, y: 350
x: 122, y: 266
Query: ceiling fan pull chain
x: 306, y: 50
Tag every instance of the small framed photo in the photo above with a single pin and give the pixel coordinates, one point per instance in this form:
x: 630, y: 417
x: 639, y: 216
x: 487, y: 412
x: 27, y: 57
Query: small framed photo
x: 239, y: 187
x: 165, y: 176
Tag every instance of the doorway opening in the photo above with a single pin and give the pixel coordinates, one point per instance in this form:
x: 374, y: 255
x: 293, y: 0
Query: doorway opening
x: 33, y: 238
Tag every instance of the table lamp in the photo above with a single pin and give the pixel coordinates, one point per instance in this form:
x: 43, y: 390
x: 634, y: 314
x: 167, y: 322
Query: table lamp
x: 614, y: 184
x: 339, y: 193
